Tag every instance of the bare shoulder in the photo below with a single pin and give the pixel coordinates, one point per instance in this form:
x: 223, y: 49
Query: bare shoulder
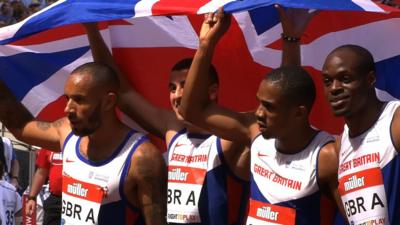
x: 395, y: 129
x: 147, y: 151
x: 147, y: 161
x: 328, y: 161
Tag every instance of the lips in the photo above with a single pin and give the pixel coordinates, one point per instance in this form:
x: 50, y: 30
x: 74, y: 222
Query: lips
x: 177, y: 103
x: 261, y: 126
x: 338, y: 101
x: 73, y: 122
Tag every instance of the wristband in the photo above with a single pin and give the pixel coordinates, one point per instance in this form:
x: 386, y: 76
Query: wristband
x: 290, y: 39
x: 33, y: 198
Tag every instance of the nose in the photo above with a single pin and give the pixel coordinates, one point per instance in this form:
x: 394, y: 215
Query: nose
x: 336, y: 87
x: 68, y: 107
x: 259, y: 113
x: 179, y: 92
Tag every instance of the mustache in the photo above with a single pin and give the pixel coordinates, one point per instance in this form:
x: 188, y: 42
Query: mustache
x: 72, y: 116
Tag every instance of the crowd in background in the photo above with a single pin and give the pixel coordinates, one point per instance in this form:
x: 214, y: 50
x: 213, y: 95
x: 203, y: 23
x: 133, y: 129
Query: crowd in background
x: 13, y: 11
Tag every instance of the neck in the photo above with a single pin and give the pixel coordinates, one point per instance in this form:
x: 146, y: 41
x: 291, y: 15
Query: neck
x: 101, y: 144
x: 193, y: 129
x: 297, y: 140
x: 362, y: 120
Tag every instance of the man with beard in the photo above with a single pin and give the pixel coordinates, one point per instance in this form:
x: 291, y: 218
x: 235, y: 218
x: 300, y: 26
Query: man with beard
x: 199, y: 175
x: 111, y: 174
x: 370, y: 144
x: 192, y: 150
x: 292, y: 164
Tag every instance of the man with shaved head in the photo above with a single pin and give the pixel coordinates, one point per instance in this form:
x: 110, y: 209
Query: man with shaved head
x: 369, y: 146
x: 111, y: 174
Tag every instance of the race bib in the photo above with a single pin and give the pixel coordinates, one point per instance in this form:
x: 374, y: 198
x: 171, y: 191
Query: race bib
x: 364, y: 198
x: 184, y: 188
x: 261, y: 213
x: 81, y: 201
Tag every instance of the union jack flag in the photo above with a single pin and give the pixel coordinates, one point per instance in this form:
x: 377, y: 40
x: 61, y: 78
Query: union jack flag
x: 38, y: 53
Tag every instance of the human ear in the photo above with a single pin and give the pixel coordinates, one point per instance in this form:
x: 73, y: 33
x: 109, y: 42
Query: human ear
x: 371, y: 78
x: 110, y: 101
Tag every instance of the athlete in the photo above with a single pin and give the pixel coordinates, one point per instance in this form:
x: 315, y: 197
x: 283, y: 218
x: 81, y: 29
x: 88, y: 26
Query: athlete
x: 10, y: 200
x: 192, y: 152
x: 292, y: 163
x: 111, y: 174
x: 370, y: 144
x: 199, y: 177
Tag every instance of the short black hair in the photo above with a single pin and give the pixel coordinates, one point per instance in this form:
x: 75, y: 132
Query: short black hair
x: 296, y: 85
x: 102, y: 74
x: 185, y: 64
x: 366, y: 62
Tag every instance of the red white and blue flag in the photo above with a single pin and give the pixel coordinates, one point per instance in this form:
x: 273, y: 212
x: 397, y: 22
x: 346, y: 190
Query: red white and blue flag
x: 38, y: 53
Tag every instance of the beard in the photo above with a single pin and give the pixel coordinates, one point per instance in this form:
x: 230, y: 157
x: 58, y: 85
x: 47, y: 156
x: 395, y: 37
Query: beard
x: 93, y: 123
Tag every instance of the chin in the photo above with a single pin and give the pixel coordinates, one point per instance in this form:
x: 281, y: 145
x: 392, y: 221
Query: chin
x: 340, y: 113
x: 266, y: 135
x: 178, y: 116
x: 82, y: 132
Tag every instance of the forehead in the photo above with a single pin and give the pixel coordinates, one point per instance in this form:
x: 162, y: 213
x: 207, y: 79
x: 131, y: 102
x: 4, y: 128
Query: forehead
x: 341, y: 60
x: 178, y: 76
x: 79, y: 82
x: 269, y: 91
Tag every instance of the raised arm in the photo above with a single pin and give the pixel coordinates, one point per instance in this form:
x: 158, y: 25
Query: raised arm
x: 294, y: 22
x: 196, y: 106
x: 150, y: 175
x: 153, y: 119
x: 20, y: 122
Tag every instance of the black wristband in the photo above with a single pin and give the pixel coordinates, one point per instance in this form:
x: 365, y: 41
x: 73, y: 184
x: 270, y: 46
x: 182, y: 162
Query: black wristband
x: 33, y: 198
x: 290, y: 39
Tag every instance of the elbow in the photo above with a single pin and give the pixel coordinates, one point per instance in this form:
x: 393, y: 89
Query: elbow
x: 17, y: 133
x: 186, y: 113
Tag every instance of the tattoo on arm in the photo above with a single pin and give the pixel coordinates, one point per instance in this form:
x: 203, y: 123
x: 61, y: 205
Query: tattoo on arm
x: 153, y: 191
x: 43, y: 125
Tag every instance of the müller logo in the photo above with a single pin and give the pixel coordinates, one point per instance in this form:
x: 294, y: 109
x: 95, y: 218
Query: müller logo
x: 267, y: 213
x: 77, y: 189
x: 177, y: 175
x: 354, y: 182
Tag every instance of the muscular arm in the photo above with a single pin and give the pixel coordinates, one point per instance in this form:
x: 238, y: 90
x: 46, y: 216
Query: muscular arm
x: 196, y: 106
x: 396, y: 129
x: 327, y: 171
x: 153, y: 119
x: 150, y: 176
x: 237, y: 157
x: 20, y: 122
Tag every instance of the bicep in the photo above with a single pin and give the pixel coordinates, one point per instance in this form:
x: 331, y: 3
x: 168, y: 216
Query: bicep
x: 228, y: 124
x: 151, y: 179
x: 327, y: 169
x: 44, y: 134
x: 237, y: 156
x: 150, y: 117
